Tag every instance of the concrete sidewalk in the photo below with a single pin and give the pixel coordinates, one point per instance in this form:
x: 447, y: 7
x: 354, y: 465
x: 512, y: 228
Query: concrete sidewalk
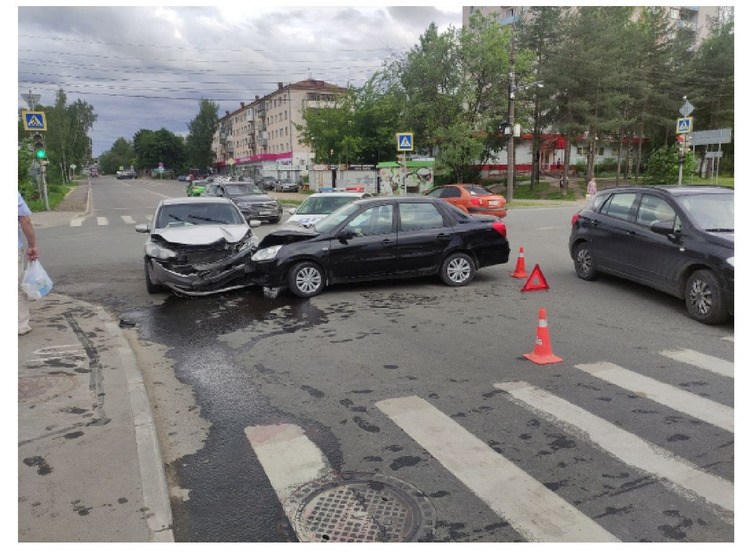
x: 89, y: 463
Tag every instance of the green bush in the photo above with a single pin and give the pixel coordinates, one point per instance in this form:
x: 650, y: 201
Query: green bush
x: 662, y: 167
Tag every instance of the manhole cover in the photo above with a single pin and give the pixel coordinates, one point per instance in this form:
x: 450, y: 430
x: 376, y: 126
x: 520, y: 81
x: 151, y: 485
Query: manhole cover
x: 360, y: 507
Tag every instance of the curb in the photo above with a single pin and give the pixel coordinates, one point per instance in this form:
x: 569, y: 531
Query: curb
x: 154, y: 485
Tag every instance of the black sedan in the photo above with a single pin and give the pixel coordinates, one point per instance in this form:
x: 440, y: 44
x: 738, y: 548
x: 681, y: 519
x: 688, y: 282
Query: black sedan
x: 677, y: 239
x: 253, y: 202
x: 377, y: 238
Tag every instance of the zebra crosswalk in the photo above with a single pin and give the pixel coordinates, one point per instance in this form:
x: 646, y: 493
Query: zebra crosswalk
x: 103, y: 221
x: 517, y: 495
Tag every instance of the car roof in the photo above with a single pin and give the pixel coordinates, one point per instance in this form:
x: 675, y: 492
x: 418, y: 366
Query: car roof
x: 195, y: 201
x: 345, y: 194
x: 673, y: 189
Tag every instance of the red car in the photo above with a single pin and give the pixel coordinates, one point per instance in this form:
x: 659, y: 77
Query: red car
x: 471, y: 198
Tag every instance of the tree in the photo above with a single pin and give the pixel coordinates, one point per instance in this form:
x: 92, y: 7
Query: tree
x: 121, y: 155
x: 152, y: 148
x: 66, y: 138
x: 199, y: 141
x: 541, y: 34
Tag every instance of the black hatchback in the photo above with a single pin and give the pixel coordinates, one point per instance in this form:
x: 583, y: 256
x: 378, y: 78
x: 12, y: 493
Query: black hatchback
x: 676, y: 239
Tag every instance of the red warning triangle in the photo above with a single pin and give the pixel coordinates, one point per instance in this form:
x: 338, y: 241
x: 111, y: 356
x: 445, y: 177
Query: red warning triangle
x: 535, y: 281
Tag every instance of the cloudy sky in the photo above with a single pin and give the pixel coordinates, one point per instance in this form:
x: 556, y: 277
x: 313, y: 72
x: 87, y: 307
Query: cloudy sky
x: 148, y: 66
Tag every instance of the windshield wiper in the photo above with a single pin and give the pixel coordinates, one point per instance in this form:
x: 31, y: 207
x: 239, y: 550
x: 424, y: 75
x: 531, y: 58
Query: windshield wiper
x: 720, y: 230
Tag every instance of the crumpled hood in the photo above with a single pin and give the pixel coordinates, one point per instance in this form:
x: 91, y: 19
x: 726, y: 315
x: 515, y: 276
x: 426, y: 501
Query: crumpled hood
x: 202, y: 235
x: 288, y: 233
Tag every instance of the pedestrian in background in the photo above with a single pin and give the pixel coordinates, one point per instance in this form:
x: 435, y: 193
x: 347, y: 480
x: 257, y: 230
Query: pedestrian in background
x: 591, y: 188
x: 30, y: 254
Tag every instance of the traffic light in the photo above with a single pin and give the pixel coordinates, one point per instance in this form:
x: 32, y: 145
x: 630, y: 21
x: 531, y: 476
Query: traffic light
x: 40, y: 150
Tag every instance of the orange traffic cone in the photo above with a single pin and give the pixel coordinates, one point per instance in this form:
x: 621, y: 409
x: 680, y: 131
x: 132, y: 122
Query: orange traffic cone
x: 520, y: 267
x: 542, y: 353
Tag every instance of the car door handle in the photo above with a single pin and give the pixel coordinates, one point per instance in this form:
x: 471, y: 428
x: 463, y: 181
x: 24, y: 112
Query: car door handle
x: 387, y: 242
x: 441, y: 236
x: 630, y: 232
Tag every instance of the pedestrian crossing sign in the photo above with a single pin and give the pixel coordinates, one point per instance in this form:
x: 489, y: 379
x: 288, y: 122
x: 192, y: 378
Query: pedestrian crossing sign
x: 684, y: 125
x: 35, y: 121
x: 404, y: 141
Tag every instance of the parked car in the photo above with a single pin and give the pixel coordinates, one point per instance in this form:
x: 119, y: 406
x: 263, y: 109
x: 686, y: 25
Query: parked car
x: 196, y: 187
x: 471, y: 198
x: 126, y: 174
x: 251, y: 200
x: 267, y: 183
x: 321, y: 204
x: 197, y: 246
x: 677, y: 239
x: 377, y: 238
x: 286, y: 185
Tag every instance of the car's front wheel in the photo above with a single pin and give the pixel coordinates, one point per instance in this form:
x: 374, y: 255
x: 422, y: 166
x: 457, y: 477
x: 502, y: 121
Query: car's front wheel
x: 704, y: 299
x: 306, y: 279
x: 152, y: 286
x: 585, y: 264
x: 457, y: 269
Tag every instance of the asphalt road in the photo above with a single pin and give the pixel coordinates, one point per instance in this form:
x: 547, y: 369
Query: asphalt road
x: 270, y: 409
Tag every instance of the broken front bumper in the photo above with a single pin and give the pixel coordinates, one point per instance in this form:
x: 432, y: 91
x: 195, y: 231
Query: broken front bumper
x: 207, y: 278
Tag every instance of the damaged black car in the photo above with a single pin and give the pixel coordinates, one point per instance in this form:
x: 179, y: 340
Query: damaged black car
x: 380, y: 238
x: 198, y: 246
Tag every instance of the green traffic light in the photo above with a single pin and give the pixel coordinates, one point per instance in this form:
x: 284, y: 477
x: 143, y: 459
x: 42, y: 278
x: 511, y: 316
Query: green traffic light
x: 41, y: 153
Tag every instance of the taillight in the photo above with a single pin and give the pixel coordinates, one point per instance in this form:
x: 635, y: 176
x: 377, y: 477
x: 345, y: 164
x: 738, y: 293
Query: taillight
x: 476, y: 201
x: 499, y: 226
x: 574, y: 219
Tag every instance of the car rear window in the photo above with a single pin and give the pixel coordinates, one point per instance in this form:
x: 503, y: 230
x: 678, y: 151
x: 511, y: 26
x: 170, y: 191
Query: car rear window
x: 477, y: 191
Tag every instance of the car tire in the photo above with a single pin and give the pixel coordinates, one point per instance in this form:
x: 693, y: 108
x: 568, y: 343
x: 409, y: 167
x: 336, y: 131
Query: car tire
x: 457, y: 269
x: 152, y: 287
x: 704, y: 299
x: 306, y: 279
x: 585, y: 263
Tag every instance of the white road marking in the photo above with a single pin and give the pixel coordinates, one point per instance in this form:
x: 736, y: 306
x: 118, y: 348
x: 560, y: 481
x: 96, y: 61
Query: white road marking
x: 680, y: 400
x: 625, y: 446
x: 77, y: 222
x: 536, y: 512
x: 701, y: 360
x: 102, y: 221
x: 128, y: 219
x: 289, y: 458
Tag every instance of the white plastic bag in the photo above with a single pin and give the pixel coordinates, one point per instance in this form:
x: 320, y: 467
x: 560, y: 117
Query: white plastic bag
x: 36, y: 283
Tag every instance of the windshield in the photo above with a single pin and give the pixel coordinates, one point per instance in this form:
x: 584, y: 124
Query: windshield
x: 335, y: 218
x: 712, y: 212
x: 242, y: 189
x: 322, y: 205
x: 178, y: 215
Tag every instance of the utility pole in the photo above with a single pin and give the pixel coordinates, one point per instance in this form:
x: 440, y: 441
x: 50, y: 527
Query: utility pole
x: 511, y: 121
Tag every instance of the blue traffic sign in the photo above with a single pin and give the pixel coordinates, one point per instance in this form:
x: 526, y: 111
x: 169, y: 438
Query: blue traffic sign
x: 405, y: 141
x: 34, y: 121
x: 684, y: 125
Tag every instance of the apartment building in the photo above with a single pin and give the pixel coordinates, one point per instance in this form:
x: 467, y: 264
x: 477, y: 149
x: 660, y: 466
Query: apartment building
x: 697, y: 18
x: 261, y: 139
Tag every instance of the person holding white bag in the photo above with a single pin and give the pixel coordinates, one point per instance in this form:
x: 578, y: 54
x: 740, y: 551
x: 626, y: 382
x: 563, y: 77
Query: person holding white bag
x: 31, y: 253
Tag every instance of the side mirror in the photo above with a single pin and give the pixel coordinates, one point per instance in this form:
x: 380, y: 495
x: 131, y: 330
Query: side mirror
x: 345, y: 235
x: 254, y: 223
x: 291, y: 211
x: 662, y: 227
x: 142, y: 228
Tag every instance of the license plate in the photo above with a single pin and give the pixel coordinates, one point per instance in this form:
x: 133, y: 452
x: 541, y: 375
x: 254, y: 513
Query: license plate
x: 494, y: 202
x: 265, y: 212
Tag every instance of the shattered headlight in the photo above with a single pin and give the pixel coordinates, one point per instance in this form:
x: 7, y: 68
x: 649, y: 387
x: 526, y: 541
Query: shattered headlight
x: 266, y: 254
x: 154, y: 250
